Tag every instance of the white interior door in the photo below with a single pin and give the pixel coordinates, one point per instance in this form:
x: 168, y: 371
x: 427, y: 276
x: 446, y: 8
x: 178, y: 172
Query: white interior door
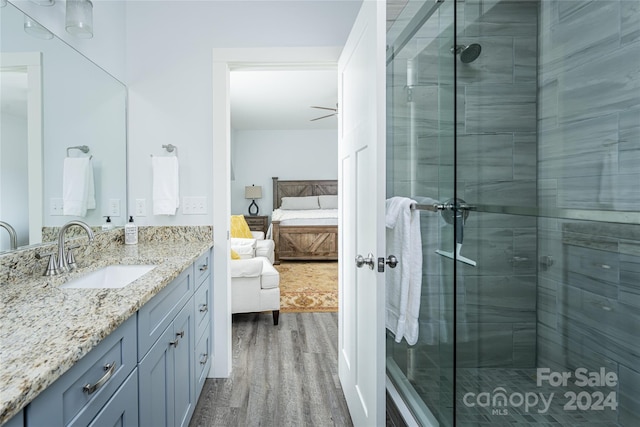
x: 361, y: 95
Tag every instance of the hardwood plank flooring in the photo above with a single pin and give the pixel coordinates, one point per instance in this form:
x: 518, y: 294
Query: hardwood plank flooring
x: 285, y: 375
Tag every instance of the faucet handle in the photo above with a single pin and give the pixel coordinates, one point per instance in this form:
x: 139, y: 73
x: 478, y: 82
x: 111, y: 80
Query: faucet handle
x: 71, y: 259
x: 52, y: 267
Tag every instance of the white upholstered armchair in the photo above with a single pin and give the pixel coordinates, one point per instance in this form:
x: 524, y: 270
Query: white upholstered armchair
x: 255, y: 283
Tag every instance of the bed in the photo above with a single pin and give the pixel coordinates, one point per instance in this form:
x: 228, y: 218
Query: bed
x: 306, y: 238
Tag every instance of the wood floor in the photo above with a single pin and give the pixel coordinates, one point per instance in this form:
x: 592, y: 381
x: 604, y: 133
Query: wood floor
x: 285, y: 375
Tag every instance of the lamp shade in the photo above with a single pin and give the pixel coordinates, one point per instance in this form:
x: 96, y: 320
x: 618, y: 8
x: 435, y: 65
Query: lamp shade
x: 79, y: 18
x: 252, y: 192
x: 35, y: 29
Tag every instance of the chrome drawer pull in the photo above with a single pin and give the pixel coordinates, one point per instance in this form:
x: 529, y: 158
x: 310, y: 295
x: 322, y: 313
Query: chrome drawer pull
x: 91, y: 388
x: 178, y: 336
x: 204, y: 267
x: 206, y: 357
x: 204, y: 308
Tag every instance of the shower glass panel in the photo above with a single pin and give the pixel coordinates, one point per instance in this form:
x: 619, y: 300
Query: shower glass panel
x: 420, y: 166
x: 525, y: 114
x: 548, y: 153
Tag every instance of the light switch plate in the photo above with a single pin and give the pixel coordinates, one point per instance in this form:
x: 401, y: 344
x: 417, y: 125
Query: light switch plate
x: 56, y: 206
x: 114, y: 207
x: 141, y: 207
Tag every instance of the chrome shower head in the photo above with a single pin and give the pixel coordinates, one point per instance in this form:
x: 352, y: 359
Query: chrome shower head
x: 467, y: 53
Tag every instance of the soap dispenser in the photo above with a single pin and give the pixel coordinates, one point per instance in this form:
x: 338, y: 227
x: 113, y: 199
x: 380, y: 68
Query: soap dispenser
x: 107, y: 224
x: 130, y: 233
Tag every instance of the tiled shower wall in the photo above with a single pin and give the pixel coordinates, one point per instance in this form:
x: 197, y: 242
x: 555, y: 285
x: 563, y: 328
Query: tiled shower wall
x: 496, y: 166
x: 589, y: 159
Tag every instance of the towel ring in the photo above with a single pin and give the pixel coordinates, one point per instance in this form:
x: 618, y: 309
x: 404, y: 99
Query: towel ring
x: 83, y: 148
x: 170, y: 148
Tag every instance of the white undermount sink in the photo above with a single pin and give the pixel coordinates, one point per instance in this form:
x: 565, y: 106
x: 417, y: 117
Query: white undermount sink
x: 112, y: 276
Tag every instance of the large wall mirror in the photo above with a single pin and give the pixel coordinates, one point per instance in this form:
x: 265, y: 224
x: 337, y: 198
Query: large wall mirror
x: 52, y: 99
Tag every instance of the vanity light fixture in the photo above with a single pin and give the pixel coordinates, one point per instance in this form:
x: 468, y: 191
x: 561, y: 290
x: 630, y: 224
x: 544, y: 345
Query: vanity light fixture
x: 253, y: 192
x: 36, y: 30
x: 79, y: 18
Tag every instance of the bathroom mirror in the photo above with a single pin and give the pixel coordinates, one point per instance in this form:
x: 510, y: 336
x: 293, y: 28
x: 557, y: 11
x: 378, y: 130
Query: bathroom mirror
x: 53, y: 98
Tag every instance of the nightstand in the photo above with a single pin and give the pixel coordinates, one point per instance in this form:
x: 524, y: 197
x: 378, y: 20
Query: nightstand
x: 257, y: 222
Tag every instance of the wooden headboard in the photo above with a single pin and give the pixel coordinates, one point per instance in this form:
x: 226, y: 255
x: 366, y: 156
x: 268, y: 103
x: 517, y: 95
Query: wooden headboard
x: 299, y: 188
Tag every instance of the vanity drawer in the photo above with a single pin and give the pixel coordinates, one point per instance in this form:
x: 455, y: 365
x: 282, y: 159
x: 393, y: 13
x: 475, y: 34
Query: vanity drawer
x: 203, y: 359
x: 122, y: 409
x: 202, y: 307
x: 157, y: 314
x: 76, y: 397
x: 202, y: 267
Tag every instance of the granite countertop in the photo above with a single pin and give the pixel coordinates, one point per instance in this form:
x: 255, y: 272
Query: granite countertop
x: 46, y: 330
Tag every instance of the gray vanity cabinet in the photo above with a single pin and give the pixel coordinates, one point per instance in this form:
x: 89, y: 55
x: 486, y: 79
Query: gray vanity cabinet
x: 148, y: 372
x: 76, y: 397
x: 202, y: 303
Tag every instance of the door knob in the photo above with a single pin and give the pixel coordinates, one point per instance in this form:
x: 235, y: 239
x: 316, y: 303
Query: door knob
x: 360, y: 261
x: 392, y: 261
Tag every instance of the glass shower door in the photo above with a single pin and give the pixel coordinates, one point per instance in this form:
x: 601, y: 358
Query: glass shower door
x: 421, y: 166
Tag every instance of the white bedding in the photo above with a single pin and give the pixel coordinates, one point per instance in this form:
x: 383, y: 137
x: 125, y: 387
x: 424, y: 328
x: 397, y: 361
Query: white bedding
x: 303, y: 217
x: 286, y: 214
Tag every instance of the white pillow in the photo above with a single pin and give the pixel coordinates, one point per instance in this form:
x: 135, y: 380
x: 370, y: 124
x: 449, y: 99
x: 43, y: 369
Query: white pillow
x: 300, y: 203
x: 328, y: 202
x: 245, y: 248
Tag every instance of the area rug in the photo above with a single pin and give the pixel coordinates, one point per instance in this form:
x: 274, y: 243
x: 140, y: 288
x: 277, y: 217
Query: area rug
x: 307, y: 287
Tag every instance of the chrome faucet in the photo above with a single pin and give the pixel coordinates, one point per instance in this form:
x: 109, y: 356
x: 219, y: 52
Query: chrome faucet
x: 12, y: 234
x: 63, y: 263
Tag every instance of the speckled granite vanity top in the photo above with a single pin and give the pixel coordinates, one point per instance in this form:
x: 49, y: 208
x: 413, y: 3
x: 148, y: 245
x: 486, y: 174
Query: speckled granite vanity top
x: 45, y: 329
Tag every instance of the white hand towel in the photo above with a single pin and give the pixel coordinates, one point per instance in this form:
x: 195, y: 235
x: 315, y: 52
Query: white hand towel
x: 91, y: 190
x: 166, y: 184
x: 403, y: 283
x: 77, y: 178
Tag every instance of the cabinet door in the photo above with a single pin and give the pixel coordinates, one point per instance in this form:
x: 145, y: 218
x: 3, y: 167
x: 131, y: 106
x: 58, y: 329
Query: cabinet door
x: 122, y: 409
x: 156, y: 382
x: 156, y: 315
x: 202, y: 357
x: 184, y: 370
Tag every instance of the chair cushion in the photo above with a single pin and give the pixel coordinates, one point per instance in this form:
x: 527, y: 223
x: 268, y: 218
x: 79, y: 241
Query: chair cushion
x: 246, y: 267
x: 239, y: 227
x: 270, y: 276
x: 246, y: 248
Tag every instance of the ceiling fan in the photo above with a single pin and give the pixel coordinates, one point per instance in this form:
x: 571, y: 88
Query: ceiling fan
x: 335, y: 112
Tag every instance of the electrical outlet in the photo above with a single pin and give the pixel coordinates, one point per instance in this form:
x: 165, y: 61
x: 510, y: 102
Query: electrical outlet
x: 141, y: 207
x: 114, y: 207
x: 56, y: 207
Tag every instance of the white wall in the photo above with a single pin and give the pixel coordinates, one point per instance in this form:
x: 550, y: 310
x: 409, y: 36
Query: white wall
x: 258, y: 155
x: 169, y: 66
